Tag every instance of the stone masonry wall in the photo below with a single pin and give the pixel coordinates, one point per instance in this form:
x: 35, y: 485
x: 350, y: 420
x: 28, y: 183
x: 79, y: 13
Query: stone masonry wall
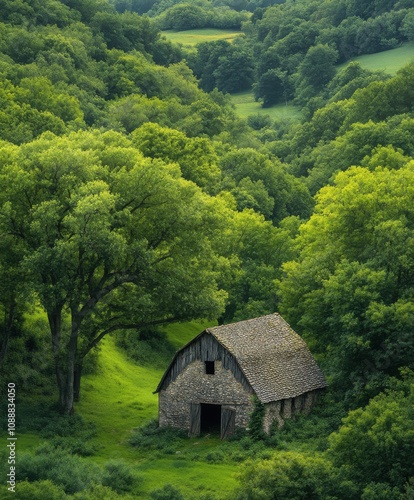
x: 193, y: 385
x: 281, y: 410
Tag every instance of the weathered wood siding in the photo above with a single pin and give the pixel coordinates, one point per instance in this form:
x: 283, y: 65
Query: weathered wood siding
x: 205, y: 348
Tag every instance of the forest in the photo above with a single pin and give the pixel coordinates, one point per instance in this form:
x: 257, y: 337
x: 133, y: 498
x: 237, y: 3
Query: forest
x: 136, y: 203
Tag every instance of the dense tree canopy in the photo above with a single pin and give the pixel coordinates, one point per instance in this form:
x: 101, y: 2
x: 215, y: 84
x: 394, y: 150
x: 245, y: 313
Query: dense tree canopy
x: 350, y: 288
x: 134, y: 196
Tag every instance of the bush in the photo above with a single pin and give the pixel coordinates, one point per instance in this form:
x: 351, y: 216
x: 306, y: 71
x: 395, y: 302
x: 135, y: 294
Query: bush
x: 258, y: 121
x: 256, y: 420
x: 153, y: 437
x: 38, y: 490
x: 376, y: 443
x: 69, y: 472
x: 167, y: 492
x: 119, y: 476
x: 291, y: 475
x: 146, y: 347
x: 99, y: 492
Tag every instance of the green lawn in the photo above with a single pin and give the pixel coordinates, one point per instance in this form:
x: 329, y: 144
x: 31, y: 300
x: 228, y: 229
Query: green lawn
x: 246, y: 105
x: 120, y: 398
x: 117, y: 399
x: 193, y: 37
x: 389, y: 61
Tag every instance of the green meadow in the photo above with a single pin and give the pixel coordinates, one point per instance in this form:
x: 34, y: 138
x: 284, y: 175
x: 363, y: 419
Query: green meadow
x: 193, y: 37
x: 246, y: 105
x: 389, y: 61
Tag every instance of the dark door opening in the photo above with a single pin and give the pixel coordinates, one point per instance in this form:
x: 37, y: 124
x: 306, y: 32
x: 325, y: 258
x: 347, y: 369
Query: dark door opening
x: 210, y: 418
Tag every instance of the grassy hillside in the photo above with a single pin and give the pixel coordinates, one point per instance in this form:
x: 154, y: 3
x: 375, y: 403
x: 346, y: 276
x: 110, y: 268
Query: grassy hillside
x: 389, y: 61
x: 193, y: 37
x: 120, y: 398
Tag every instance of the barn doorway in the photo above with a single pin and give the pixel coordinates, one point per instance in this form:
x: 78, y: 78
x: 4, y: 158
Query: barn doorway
x: 210, y: 419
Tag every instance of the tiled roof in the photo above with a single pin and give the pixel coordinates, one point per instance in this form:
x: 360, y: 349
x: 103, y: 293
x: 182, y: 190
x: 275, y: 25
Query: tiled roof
x: 275, y: 360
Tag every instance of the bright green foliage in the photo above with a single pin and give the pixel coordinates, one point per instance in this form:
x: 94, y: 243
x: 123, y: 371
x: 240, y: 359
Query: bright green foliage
x: 376, y: 444
x: 258, y: 250
x: 350, y: 289
x: 289, y: 196
x: 195, y: 156
x: 295, y: 476
x: 354, y: 147
x: 37, y: 490
x: 119, y: 476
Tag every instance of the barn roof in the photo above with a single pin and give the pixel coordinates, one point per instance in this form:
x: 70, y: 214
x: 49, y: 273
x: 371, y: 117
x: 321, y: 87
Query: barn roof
x: 273, y: 358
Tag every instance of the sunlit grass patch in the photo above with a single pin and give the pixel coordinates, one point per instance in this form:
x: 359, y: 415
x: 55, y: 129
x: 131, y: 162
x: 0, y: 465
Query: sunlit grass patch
x: 246, y: 105
x: 389, y: 61
x: 118, y: 398
x: 193, y: 37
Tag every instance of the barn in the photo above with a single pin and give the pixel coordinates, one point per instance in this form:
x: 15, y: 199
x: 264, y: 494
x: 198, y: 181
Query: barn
x: 211, y: 382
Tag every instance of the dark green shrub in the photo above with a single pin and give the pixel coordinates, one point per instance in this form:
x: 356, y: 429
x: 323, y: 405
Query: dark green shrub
x: 153, y: 437
x: 70, y: 472
x: 146, y: 347
x: 256, y: 420
x: 75, y: 446
x: 119, y: 476
x: 258, y: 121
x: 215, y: 457
x: 99, y: 492
x: 167, y: 492
x: 68, y: 425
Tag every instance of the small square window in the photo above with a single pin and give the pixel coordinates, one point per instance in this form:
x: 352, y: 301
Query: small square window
x: 209, y: 367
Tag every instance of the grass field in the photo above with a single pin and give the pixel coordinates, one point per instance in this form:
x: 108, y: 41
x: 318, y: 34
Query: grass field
x: 193, y: 37
x: 389, y: 61
x: 246, y: 105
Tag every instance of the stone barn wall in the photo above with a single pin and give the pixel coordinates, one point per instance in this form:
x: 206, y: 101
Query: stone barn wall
x: 286, y: 408
x: 193, y: 385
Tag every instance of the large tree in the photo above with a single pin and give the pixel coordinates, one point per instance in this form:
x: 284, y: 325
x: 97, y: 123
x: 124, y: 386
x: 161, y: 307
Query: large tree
x: 111, y: 240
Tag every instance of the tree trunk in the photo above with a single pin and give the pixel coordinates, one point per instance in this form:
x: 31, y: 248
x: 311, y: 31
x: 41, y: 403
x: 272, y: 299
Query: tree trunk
x: 55, y: 324
x: 72, y: 354
x: 77, y: 381
x: 7, y: 331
